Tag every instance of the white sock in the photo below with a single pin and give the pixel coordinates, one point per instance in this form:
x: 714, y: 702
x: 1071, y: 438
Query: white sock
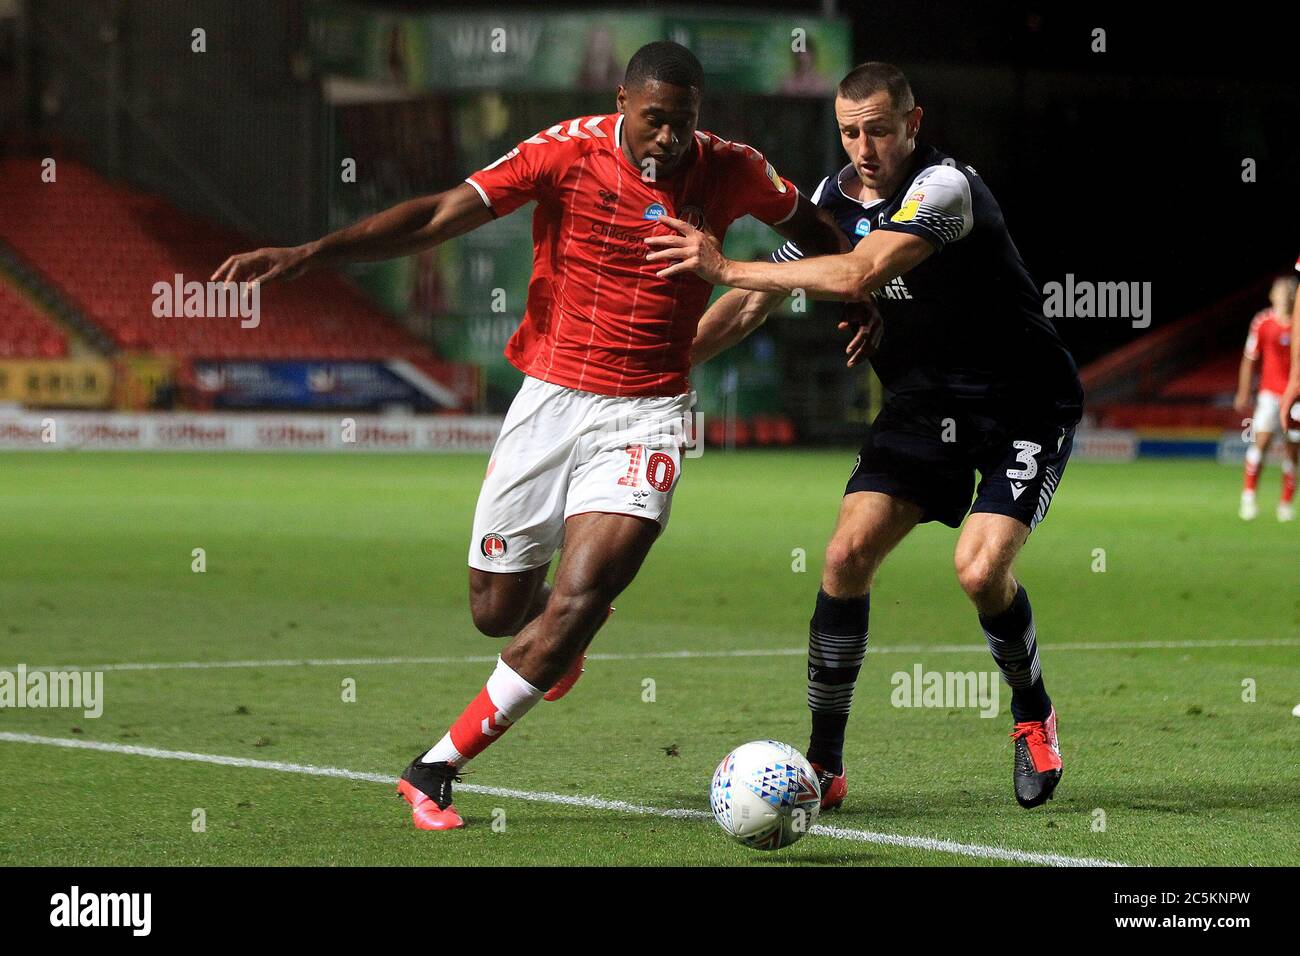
x: 510, y: 696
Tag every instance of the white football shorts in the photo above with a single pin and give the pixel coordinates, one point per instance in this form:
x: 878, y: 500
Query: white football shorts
x: 563, y: 452
x: 1268, y: 407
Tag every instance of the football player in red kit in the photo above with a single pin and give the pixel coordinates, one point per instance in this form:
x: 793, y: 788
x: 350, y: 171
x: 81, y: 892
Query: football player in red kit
x: 590, y: 451
x: 1268, y: 346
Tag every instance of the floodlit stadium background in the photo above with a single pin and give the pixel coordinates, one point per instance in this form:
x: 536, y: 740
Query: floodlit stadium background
x: 300, y: 117
x: 128, y: 157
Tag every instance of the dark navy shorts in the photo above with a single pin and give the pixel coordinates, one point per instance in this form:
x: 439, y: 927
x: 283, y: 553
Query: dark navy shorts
x: 931, y: 459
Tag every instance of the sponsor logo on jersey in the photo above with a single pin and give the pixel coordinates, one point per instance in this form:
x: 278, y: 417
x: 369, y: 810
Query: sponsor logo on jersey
x: 895, y: 289
x: 654, y: 211
x: 907, y: 211
x: 777, y: 181
x: 493, y: 546
x: 863, y: 227
x: 692, y: 215
x: 614, y: 232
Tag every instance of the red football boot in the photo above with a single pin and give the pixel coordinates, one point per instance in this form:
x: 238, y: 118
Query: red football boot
x: 834, y: 788
x: 565, y: 683
x: 427, y: 788
x: 1037, y: 762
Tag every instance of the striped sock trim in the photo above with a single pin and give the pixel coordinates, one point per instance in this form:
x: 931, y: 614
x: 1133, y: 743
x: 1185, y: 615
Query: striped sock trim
x: 1017, y: 658
x: 834, y: 661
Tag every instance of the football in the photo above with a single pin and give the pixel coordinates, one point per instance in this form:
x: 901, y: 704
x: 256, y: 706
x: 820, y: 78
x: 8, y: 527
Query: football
x: 765, y: 795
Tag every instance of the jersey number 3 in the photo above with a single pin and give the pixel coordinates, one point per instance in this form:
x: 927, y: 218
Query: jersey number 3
x: 1026, y: 450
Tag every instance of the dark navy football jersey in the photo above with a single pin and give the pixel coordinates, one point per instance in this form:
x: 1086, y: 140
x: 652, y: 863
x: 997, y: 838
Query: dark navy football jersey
x: 967, y: 324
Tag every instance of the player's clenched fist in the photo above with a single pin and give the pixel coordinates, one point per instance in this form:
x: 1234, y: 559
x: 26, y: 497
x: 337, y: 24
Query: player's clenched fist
x: 263, y: 264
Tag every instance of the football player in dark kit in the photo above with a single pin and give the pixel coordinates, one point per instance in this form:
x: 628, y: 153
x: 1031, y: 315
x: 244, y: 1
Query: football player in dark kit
x: 979, y: 381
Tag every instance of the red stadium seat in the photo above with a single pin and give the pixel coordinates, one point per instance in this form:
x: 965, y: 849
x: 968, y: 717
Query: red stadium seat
x: 25, y: 331
x: 108, y: 272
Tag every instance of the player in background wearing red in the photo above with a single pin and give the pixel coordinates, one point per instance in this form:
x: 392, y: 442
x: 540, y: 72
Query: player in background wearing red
x: 1288, y: 411
x: 590, y: 451
x: 1269, y: 345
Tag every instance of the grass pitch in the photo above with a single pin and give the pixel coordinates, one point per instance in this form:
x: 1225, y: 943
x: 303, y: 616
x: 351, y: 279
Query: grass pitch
x: 363, y: 558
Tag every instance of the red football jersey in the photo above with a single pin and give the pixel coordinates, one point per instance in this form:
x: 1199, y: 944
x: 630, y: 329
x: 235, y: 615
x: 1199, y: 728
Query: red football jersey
x: 1269, y: 343
x: 597, y: 317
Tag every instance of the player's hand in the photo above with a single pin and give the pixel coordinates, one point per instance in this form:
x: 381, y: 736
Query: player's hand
x: 869, y: 326
x: 695, y: 250
x: 1241, y: 403
x: 262, y: 265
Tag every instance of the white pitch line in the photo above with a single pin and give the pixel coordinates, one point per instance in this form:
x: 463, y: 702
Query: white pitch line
x: 591, y: 803
x: 654, y: 655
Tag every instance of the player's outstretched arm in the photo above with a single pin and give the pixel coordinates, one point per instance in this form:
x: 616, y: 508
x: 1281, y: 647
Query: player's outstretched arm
x: 405, y: 228
x: 879, y: 258
x: 1245, y: 373
x: 736, y: 314
x: 739, y: 312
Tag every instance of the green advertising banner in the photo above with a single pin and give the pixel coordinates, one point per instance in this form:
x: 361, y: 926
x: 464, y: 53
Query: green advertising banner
x: 757, y: 53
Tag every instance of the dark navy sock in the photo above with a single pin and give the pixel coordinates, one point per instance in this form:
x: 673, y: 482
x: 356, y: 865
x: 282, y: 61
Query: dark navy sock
x: 1013, y: 642
x: 837, y: 643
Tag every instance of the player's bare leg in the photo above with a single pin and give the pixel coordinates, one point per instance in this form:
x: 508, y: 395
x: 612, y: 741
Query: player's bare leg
x: 1254, y: 465
x: 602, y: 554
x: 1286, y: 504
x: 870, y: 525
x: 501, y: 603
x: 986, y: 551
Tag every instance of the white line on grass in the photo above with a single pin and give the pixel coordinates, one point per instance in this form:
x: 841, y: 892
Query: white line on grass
x: 590, y: 803
x: 656, y: 655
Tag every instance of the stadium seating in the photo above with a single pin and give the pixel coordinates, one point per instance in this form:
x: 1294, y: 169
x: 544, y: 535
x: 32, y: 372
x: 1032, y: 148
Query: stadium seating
x: 24, y: 332
x: 103, y: 246
x: 1180, y: 376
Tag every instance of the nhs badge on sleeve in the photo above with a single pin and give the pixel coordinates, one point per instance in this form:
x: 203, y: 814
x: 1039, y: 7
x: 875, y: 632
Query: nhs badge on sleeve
x: 654, y: 211
x: 863, y: 227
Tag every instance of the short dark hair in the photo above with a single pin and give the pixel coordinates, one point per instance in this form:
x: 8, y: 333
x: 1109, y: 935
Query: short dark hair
x: 666, y: 62
x: 872, y: 77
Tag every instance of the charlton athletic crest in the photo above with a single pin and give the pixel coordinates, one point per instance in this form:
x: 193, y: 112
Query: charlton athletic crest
x: 493, y: 546
x: 692, y: 215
